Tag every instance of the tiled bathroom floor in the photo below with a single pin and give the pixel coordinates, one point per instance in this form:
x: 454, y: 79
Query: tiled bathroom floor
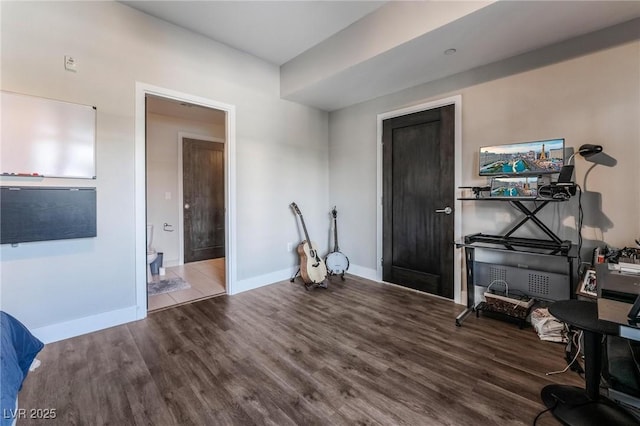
x: 206, y: 277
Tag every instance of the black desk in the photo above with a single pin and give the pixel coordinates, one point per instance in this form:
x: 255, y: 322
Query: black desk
x: 524, y: 246
x: 576, y: 406
x: 552, y: 246
x: 529, y: 215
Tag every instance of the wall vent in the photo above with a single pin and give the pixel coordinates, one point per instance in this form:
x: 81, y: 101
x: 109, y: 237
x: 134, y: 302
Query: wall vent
x: 497, y: 274
x: 538, y: 284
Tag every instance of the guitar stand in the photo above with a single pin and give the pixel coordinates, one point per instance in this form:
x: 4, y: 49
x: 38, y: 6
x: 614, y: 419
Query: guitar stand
x: 341, y: 275
x: 323, y: 284
x: 308, y: 287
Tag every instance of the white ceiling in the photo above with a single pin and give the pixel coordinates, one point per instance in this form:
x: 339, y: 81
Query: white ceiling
x: 306, y: 38
x: 275, y: 31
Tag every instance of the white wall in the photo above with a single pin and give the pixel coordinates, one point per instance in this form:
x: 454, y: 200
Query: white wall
x: 592, y: 98
x: 282, y: 152
x: 163, y: 178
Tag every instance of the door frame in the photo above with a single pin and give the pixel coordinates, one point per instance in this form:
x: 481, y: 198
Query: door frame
x: 140, y: 177
x: 181, y: 137
x: 457, y: 207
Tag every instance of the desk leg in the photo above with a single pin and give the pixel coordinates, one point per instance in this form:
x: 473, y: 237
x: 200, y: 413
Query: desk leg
x: 576, y: 406
x: 464, y: 314
x: 592, y: 363
x: 572, y: 288
x: 469, y: 253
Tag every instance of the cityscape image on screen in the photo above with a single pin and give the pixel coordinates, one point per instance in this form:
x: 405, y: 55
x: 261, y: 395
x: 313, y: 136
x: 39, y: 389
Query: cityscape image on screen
x: 527, y: 158
x: 514, y: 187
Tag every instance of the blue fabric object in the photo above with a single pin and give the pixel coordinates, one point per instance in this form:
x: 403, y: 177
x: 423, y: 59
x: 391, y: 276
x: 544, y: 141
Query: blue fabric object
x: 18, y: 348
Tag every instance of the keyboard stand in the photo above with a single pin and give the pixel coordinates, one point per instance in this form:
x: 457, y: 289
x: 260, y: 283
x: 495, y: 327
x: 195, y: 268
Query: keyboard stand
x: 553, y: 246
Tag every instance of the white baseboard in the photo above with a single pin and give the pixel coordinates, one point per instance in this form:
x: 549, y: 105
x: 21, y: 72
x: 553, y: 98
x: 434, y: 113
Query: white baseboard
x: 371, y: 275
x: 285, y: 274
x: 168, y: 263
x: 65, y: 330
x: 262, y: 280
x: 368, y: 273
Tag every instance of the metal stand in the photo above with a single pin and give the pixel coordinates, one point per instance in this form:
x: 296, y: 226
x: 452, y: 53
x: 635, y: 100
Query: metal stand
x: 531, y: 215
x: 469, y: 260
x: 310, y: 286
x: 554, y: 246
x: 331, y: 274
x: 323, y: 284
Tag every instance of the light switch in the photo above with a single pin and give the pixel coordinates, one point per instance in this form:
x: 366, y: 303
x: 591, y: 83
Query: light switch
x: 70, y: 64
x: 167, y: 195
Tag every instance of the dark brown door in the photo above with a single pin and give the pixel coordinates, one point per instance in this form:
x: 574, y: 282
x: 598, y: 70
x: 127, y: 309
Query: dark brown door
x: 204, y: 210
x: 418, y: 179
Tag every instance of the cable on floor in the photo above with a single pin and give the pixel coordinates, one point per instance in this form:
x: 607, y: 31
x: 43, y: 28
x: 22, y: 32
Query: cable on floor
x: 544, y: 411
x: 575, y: 358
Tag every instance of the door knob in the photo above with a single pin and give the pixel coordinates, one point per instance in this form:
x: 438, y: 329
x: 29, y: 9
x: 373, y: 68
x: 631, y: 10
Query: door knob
x: 446, y: 210
x: 186, y: 206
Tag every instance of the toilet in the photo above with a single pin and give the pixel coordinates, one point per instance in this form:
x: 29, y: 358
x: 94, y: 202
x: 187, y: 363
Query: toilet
x: 151, y: 253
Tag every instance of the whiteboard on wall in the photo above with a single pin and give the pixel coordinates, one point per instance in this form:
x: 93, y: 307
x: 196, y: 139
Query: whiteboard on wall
x: 44, y: 137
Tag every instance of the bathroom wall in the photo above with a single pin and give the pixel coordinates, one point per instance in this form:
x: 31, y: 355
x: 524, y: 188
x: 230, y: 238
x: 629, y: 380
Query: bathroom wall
x: 163, y: 180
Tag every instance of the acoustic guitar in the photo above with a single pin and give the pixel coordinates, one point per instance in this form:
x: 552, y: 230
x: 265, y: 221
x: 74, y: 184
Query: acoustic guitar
x: 337, y: 263
x: 312, y: 267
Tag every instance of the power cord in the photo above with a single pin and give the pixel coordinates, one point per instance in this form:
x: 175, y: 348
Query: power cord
x: 579, y: 226
x: 575, y: 358
x: 544, y: 411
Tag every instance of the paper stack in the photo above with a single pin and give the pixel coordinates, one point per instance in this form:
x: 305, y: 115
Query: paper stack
x: 547, y: 326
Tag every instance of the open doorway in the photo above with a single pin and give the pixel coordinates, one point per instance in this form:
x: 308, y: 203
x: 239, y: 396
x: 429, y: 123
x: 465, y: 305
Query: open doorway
x: 185, y: 201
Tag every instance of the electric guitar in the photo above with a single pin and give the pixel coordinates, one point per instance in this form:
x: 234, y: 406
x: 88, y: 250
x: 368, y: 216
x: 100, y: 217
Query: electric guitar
x: 337, y: 263
x: 312, y: 267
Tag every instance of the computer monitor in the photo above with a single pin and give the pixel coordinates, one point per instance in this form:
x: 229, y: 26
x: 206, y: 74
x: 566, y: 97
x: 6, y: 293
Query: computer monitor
x: 522, y: 159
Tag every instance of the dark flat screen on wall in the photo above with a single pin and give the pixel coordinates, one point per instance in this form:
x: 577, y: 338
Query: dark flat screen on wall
x: 30, y: 213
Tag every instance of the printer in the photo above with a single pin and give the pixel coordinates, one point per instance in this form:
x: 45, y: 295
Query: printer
x: 618, y: 289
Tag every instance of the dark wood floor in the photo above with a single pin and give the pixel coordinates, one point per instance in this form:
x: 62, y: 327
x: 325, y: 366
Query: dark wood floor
x: 357, y: 353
